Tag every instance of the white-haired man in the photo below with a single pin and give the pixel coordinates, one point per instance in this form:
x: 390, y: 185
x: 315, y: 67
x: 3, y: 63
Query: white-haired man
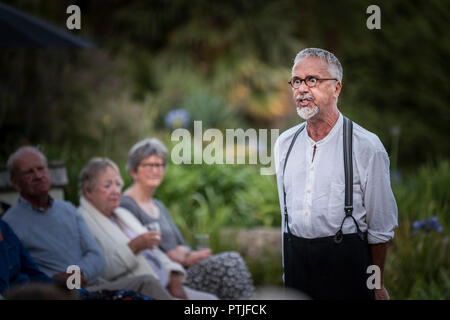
x: 333, y: 179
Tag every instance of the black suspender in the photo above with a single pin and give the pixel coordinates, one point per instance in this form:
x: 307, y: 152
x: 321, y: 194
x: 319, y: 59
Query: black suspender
x: 348, y: 166
x: 284, y: 168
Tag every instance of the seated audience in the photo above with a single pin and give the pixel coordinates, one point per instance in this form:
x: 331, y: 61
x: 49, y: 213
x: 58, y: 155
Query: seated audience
x: 225, y: 274
x: 56, y: 235
x: 21, y: 279
x: 128, y: 247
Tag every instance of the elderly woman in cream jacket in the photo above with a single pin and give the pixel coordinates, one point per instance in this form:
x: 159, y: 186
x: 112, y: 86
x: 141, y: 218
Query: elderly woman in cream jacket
x: 129, y: 248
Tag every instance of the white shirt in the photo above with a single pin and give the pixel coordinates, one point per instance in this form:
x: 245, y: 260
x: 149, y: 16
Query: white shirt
x: 315, y: 187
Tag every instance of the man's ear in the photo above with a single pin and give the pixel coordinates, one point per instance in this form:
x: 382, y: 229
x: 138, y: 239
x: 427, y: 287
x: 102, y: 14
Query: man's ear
x: 14, y: 182
x: 337, y: 89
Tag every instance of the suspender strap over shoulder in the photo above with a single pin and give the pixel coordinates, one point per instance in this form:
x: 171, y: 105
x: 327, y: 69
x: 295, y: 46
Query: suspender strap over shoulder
x: 284, y: 168
x: 348, y: 167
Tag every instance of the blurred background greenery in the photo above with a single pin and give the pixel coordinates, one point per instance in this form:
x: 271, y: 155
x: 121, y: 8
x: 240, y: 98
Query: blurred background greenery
x: 227, y: 63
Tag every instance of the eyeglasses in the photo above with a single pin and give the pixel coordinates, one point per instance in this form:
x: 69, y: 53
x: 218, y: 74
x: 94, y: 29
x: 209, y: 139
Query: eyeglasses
x: 153, y: 165
x: 310, y: 81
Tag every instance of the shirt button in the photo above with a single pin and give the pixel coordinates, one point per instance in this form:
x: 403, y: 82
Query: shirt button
x: 308, y: 234
x: 11, y: 267
x: 309, y: 190
x: 312, y: 169
x: 306, y: 213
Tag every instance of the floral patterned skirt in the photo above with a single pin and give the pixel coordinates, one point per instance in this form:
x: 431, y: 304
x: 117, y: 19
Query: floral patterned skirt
x: 224, y: 275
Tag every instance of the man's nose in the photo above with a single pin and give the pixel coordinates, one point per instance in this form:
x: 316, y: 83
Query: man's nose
x: 38, y: 174
x: 303, y: 87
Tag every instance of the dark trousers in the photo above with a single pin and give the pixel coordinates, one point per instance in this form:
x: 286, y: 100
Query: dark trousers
x: 326, y: 270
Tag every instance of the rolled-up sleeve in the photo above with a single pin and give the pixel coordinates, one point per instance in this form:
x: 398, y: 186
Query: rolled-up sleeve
x: 379, y: 201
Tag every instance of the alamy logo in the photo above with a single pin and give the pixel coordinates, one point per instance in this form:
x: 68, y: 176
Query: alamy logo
x: 74, y: 280
x: 74, y: 20
x: 240, y: 146
x: 374, y: 20
x: 374, y: 280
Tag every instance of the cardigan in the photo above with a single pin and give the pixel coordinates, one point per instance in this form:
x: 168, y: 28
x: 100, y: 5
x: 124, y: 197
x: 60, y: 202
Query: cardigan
x: 171, y: 236
x: 120, y: 260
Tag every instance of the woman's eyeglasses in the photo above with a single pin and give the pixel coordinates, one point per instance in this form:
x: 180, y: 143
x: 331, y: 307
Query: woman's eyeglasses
x: 153, y: 165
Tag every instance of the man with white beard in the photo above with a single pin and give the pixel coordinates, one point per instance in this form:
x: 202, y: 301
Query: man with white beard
x: 338, y: 209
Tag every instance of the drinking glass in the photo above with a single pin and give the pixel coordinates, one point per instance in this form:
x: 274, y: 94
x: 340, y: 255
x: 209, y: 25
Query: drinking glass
x: 201, y: 241
x: 153, y: 226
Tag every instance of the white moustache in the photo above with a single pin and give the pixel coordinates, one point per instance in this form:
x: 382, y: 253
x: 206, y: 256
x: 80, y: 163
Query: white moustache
x: 303, y: 97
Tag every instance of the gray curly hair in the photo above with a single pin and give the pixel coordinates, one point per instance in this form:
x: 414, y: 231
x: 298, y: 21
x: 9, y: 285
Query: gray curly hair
x: 144, y: 149
x: 335, y: 67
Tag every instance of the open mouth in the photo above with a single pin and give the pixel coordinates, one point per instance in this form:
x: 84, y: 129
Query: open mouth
x: 304, y: 102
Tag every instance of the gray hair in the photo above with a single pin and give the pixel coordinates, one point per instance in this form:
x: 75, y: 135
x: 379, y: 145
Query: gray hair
x: 10, y: 164
x: 144, y: 149
x: 90, y: 172
x: 335, y: 67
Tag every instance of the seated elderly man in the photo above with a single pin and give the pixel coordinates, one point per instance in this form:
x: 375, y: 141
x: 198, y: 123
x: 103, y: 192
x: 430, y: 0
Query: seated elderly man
x: 56, y: 235
x: 129, y: 248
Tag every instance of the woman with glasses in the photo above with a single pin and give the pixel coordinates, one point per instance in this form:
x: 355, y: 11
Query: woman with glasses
x: 226, y: 274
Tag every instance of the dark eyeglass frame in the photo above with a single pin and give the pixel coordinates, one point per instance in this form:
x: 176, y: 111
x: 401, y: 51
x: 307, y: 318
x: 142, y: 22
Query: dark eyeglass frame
x: 153, y: 165
x: 308, y: 78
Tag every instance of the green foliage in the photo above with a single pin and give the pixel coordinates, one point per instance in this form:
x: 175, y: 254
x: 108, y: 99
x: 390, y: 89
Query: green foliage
x: 418, y: 265
x: 431, y: 185
x: 267, y: 270
x: 228, y: 64
x: 398, y: 75
x: 207, y: 198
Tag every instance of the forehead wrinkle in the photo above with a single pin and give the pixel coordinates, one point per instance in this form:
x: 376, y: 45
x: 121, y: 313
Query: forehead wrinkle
x: 316, y: 74
x: 25, y: 162
x: 312, y: 63
x: 104, y: 175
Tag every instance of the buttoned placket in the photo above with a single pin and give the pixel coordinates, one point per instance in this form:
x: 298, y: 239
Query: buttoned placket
x: 302, y: 213
x: 312, y: 159
x: 309, y: 185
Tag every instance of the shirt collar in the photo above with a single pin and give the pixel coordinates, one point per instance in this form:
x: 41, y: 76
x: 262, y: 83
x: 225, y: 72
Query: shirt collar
x: 22, y: 201
x: 330, y: 134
